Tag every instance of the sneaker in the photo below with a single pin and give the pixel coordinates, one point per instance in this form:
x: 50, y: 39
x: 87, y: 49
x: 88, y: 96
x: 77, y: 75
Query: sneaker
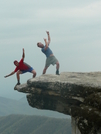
x: 57, y: 72
x: 18, y: 83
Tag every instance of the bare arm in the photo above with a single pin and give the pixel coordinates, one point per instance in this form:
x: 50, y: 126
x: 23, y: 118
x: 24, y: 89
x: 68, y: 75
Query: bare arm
x: 9, y: 74
x: 46, y: 44
x: 48, y: 37
x: 23, y: 55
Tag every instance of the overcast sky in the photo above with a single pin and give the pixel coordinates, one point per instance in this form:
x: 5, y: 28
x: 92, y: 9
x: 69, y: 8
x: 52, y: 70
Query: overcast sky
x: 75, y: 30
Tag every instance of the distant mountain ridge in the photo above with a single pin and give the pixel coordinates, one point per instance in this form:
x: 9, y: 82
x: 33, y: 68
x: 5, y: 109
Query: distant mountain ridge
x: 10, y: 106
x: 23, y: 124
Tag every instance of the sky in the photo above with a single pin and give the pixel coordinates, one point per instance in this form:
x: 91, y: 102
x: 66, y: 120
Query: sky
x: 75, y: 30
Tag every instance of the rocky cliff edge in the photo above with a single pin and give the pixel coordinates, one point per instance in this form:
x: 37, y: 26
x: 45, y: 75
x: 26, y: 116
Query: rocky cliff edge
x: 73, y: 93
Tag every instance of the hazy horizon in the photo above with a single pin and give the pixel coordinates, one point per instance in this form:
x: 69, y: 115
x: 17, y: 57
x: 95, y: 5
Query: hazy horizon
x: 74, y: 28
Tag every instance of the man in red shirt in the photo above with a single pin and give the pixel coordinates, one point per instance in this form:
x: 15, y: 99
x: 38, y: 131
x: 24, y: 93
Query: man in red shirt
x: 22, y: 67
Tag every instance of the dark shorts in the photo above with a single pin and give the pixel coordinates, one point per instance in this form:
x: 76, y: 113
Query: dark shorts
x: 29, y: 70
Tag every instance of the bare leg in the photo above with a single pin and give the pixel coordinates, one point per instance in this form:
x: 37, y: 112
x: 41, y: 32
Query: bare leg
x: 57, y: 68
x: 44, y: 70
x: 18, y: 77
x: 34, y: 73
x: 57, y: 65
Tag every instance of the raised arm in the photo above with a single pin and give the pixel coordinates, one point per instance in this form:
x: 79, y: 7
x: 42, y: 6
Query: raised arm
x: 48, y: 37
x: 46, y: 44
x: 9, y: 74
x: 23, y: 54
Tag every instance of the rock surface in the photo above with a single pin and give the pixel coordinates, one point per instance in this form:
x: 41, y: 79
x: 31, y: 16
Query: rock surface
x: 72, y: 93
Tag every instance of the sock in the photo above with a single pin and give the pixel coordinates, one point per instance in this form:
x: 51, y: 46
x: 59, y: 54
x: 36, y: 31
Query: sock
x: 57, y: 71
x: 18, y: 81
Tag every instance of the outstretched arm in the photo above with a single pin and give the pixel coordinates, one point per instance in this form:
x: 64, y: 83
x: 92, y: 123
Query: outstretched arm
x: 9, y: 74
x: 23, y: 54
x: 48, y: 37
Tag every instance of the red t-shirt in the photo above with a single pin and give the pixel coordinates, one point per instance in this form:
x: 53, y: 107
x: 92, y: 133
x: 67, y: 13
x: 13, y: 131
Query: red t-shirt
x: 22, y: 66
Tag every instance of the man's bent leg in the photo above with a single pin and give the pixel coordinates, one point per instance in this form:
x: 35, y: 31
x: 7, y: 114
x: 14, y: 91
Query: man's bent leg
x: 34, y: 73
x: 18, y: 77
x: 44, y: 70
x: 57, y: 68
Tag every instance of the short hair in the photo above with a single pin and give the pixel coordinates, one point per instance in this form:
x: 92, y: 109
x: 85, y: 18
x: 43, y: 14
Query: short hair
x: 15, y: 61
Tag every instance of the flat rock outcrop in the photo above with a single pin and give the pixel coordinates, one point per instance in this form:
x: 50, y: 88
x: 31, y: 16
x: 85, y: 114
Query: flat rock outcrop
x: 73, y: 93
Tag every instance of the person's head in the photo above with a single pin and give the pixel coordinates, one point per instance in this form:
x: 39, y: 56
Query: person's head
x: 39, y: 44
x: 16, y: 63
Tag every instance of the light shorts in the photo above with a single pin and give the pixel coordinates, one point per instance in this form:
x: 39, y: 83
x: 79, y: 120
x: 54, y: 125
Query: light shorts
x: 51, y: 60
x: 29, y: 70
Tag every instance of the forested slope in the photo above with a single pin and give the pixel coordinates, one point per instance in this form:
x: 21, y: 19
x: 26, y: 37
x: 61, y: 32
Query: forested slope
x: 23, y: 124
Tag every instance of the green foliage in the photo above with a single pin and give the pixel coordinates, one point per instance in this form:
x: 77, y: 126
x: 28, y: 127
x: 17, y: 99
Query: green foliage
x: 23, y: 124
